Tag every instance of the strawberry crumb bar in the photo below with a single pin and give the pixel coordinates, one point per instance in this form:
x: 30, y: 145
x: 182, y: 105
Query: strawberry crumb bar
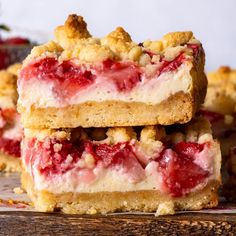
x: 78, y: 80
x: 219, y: 109
x: 10, y: 128
x: 101, y: 170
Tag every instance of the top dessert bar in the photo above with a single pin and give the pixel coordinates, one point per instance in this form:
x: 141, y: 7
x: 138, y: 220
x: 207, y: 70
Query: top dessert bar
x: 78, y: 80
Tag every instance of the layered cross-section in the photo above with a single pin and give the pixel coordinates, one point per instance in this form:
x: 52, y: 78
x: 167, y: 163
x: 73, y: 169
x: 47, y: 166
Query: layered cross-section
x: 148, y: 168
x: 78, y: 80
x: 219, y: 109
x: 10, y: 128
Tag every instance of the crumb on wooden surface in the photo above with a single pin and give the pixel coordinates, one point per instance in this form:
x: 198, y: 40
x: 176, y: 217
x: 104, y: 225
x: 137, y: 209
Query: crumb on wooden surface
x: 18, y: 190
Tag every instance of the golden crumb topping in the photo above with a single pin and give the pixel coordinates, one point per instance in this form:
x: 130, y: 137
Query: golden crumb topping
x: 119, y: 34
x: 147, y: 137
x: 221, y: 93
x: 8, y: 91
x: 176, y: 38
x: 45, y: 133
x: 74, y: 28
x: 120, y: 134
x: 152, y: 133
x: 50, y: 48
x: 224, y: 75
x: 73, y: 41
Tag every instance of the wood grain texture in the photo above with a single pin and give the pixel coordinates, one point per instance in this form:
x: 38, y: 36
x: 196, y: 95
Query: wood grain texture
x: 31, y: 223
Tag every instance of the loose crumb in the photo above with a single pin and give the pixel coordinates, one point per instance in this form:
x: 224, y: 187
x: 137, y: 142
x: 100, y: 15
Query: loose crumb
x: 228, y: 119
x: 165, y: 208
x: 92, y: 211
x: 18, y: 190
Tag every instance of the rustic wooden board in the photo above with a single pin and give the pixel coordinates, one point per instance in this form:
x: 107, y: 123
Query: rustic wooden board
x: 31, y: 223
x: 15, y: 219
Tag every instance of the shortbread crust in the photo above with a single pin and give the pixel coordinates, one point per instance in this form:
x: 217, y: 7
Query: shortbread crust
x: 106, y: 202
x: 179, y: 108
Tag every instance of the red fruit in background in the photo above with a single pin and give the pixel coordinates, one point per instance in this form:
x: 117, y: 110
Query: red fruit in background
x: 211, y: 115
x: 4, y: 58
x: 11, y: 50
x: 16, y: 41
x: 1, y: 41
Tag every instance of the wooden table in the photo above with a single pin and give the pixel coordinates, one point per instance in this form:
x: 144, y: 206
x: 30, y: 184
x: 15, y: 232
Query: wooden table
x: 14, y: 221
x: 31, y: 223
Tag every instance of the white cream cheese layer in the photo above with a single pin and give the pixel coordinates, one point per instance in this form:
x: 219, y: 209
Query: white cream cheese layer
x: 41, y: 94
x: 111, y: 180
x: 107, y: 180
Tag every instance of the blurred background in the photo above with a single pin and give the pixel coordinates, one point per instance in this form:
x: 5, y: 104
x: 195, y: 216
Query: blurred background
x: 212, y: 21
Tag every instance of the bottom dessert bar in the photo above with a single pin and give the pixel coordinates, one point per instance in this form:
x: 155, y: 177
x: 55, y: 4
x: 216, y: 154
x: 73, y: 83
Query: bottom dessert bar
x: 151, y: 168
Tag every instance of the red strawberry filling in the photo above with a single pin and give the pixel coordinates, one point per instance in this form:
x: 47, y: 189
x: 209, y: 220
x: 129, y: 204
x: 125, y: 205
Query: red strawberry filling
x: 176, y: 164
x: 69, y: 78
x: 180, y: 173
x: 120, y: 155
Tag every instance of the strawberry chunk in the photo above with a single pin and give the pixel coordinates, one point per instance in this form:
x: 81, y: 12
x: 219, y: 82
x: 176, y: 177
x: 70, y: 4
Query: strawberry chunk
x: 195, y: 48
x: 57, y: 162
x: 125, y: 75
x: 68, y: 78
x: 10, y: 146
x: 188, y: 149
x: 168, y: 66
x: 180, y: 173
x: 119, y: 156
x: 4, y: 58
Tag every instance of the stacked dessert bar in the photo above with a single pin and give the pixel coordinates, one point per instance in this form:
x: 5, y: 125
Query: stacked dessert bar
x: 109, y: 124
x: 219, y: 108
x: 10, y: 128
